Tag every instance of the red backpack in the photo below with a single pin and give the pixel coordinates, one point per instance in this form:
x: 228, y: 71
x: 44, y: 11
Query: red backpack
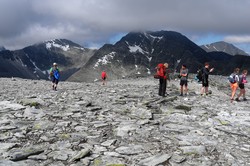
x: 161, y: 71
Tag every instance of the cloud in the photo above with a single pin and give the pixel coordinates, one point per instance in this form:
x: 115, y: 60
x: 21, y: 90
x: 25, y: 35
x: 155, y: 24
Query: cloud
x: 238, y: 39
x: 24, y: 22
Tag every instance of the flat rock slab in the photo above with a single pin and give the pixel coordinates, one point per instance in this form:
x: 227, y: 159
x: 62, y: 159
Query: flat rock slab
x: 155, y: 160
x: 130, y: 150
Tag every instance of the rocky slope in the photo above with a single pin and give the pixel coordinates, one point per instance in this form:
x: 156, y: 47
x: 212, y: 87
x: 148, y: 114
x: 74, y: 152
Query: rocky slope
x: 223, y: 47
x: 122, y: 123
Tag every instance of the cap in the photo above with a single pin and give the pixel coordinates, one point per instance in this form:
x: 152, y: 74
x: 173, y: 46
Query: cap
x: 54, y: 64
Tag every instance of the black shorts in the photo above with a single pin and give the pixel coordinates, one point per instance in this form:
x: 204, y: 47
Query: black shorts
x: 183, y: 82
x: 204, y: 83
x: 54, y: 80
x: 104, y: 78
x: 241, y: 86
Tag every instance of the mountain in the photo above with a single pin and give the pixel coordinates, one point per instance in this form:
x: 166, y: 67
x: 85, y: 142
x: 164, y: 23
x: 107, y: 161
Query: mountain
x: 2, y: 48
x: 34, y: 61
x: 223, y: 47
x: 138, y: 53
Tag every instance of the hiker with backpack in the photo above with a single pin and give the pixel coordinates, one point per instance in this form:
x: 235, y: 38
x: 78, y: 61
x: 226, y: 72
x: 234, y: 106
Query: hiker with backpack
x: 54, y: 75
x: 183, y: 80
x: 234, y: 80
x: 205, y: 73
x: 242, y: 82
x: 104, y: 77
x: 161, y: 73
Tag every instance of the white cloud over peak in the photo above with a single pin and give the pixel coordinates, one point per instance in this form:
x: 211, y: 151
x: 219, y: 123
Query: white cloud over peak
x: 238, y: 39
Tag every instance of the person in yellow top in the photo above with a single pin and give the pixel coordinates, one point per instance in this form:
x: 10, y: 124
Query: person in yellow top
x: 54, y: 75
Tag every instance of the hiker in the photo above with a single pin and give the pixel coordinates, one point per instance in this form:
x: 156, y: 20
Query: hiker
x: 234, y: 80
x: 104, y: 77
x: 183, y: 79
x: 205, y: 72
x: 242, y: 82
x: 161, y: 71
x: 54, y: 75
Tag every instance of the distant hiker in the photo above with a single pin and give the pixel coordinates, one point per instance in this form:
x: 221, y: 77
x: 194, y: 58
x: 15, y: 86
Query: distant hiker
x: 161, y: 72
x: 54, y: 75
x: 205, y: 72
x: 104, y: 77
x: 234, y: 80
x: 242, y: 82
x: 184, y: 79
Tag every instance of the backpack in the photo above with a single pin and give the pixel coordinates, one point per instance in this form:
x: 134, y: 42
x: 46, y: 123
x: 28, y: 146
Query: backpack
x: 231, y: 78
x: 56, y: 73
x: 160, y: 71
x: 199, y: 75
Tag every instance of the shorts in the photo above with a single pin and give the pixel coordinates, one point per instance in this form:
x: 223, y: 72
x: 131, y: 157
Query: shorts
x: 183, y: 82
x: 234, y: 86
x: 204, y: 83
x: 104, y: 78
x: 54, y: 80
x: 242, y: 86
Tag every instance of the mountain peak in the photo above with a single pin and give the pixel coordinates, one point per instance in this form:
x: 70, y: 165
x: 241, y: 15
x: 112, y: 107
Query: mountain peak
x: 222, y: 46
x: 2, y: 48
x: 63, y: 44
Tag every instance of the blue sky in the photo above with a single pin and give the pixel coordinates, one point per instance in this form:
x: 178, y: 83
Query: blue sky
x: 93, y: 23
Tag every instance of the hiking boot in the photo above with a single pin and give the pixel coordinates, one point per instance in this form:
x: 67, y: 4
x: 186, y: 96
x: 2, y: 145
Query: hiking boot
x: 244, y: 99
x: 237, y: 99
x: 181, y: 94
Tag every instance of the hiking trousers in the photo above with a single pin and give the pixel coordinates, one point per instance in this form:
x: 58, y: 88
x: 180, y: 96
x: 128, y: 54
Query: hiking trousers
x: 163, y: 86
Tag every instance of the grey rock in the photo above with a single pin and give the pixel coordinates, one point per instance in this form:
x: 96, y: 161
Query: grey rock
x: 20, y: 154
x: 155, y: 160
x: 189, y: 150
x: 80, y: 155
x: 8, y: 163
x: 130, y: 150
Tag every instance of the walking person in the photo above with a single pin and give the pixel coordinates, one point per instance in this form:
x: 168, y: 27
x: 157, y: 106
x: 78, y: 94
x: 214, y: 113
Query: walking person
x: 205, y: 73
x: 104, y: 77
x: 234, y: 80
x: 242, y: 82
x: 184, y: 80
x: 161, y: 71
x: 54, y: 75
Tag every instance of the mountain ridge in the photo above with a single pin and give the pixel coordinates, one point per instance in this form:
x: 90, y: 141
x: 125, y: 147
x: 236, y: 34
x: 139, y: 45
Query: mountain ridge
x: 222, y: 46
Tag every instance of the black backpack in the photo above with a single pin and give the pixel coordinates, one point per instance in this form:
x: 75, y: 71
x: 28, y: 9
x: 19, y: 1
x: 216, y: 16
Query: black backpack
x: 199, y: 74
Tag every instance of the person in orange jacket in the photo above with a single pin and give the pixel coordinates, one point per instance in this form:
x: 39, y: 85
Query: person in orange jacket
x: 161, y: 71
x: 104, y: 77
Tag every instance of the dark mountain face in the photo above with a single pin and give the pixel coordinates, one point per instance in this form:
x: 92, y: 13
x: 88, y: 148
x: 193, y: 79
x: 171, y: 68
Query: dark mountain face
x: 139, y: 53
x: 223, y: 47
x: 37, y: 59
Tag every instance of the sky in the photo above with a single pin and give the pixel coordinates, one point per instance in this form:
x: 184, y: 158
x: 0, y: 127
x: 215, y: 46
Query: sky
x: 92, y: 23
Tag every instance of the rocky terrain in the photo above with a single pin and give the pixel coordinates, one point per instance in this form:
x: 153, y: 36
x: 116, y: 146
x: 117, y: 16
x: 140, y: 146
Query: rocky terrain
x: 122, y: 123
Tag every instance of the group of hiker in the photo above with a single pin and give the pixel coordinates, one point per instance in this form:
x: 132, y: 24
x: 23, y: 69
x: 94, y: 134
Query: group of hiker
x: 236, y: 80
x: 54, y: 75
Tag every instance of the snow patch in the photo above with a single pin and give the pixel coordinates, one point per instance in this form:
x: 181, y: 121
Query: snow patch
x: 149, y: 72
x: 105, y: 59
x: 53, y: 44
x: 215, y: 48
x: 133, y: 49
